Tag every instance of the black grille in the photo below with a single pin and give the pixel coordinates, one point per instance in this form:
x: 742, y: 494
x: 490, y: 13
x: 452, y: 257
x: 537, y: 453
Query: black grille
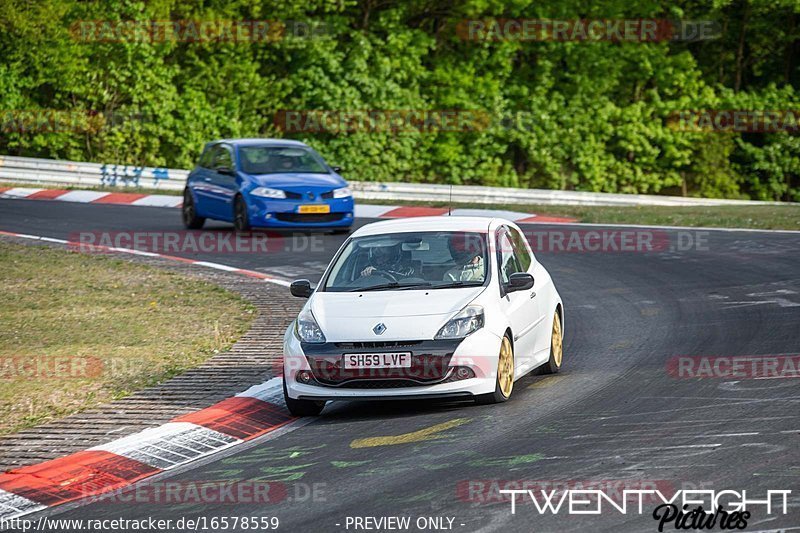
x: 376, y: 344
x: 293, y: 195
x: 395, y: 383
x: 309, y: 218
x: 327, y: 195
x: 382, y: 384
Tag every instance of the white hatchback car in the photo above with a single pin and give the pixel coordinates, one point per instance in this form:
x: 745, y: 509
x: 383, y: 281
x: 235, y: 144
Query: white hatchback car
x: 431, y: 307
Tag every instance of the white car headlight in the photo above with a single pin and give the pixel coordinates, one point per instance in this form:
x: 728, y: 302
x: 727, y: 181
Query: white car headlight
x: 266, y: 192
x: 344, y: 192
x: 307, y: 329
x: 469, y: 320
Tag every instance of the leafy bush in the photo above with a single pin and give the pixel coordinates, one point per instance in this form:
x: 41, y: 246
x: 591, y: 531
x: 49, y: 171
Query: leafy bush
x: 589, y: 116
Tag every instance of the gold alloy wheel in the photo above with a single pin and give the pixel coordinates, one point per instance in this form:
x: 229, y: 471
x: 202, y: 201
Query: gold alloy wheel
x: 556, y: 341
x: 505, y: 368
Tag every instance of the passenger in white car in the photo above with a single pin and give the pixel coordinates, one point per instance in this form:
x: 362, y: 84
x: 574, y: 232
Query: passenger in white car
x: 468, y: 256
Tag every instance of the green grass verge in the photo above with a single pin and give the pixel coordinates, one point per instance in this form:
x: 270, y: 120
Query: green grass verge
x: 77, y: 330
x: 785, y: 216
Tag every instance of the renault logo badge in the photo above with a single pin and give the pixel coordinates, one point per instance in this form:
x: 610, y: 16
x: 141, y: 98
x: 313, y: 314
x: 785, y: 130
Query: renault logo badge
x: 379, y: 328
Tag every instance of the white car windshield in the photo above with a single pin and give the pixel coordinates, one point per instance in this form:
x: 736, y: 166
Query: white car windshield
x: 403, y: 261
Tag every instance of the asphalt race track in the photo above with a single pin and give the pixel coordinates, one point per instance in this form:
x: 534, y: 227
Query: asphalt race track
x: 618, y: 413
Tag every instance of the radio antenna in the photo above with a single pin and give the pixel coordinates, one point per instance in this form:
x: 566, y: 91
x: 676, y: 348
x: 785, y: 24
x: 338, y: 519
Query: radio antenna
x: 450, y: 203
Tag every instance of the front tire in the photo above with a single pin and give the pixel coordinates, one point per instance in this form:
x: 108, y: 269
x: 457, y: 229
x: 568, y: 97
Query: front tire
x: 302, y: 407
x: 553, y: 365
x: 189, y: 212
x: 241, y: 221
x: 504, y: 384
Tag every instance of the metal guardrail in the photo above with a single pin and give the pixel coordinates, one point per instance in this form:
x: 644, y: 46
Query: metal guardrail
x: 76, y: 174
x: 509, y: 196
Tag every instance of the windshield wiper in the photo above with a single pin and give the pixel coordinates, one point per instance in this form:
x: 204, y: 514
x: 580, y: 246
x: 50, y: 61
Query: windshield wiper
x: 455, y: 284
x: 392, y: 285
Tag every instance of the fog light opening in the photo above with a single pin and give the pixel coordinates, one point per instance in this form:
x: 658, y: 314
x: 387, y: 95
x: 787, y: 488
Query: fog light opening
x: 464, y: 372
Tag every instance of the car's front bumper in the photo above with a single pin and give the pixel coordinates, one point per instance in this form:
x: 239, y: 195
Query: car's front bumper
x: 478, y: 352
x: 274, y: 213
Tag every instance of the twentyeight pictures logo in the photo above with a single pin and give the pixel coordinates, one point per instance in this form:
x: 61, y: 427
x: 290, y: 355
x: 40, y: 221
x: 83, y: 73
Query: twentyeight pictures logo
x: 684, y: 509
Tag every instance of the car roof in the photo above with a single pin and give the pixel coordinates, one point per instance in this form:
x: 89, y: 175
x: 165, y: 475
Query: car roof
x: 435, y: 223
x: 259, y: 142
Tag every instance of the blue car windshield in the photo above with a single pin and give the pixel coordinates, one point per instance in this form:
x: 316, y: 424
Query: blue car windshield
x: 280, y: 159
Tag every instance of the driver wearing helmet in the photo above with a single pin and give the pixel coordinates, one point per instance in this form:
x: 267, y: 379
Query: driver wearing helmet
x: 286, y: 163
x: 388, y: 259
x: 467, y: 252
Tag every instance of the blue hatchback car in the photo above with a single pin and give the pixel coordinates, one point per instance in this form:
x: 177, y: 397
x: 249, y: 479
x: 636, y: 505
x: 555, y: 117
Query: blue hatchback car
x: 266, y: 183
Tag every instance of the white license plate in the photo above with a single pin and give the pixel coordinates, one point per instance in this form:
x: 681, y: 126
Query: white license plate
x: 377, y: 360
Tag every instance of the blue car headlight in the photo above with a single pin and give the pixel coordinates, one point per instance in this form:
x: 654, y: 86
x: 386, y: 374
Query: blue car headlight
x: 266, y: 192
x: 343, y: 192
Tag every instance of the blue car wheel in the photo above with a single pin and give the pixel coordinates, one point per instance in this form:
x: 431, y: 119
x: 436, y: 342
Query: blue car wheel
x: 189, y: 212
x: 241, y: 221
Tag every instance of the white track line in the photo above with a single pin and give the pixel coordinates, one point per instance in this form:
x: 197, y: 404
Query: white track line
x: 216, y: 266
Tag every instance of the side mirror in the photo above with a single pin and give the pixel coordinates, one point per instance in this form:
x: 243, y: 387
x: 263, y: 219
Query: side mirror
x: 225, y: 170
x: 519, y: 281
x: 301, y: 288
x: 338, y: 170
